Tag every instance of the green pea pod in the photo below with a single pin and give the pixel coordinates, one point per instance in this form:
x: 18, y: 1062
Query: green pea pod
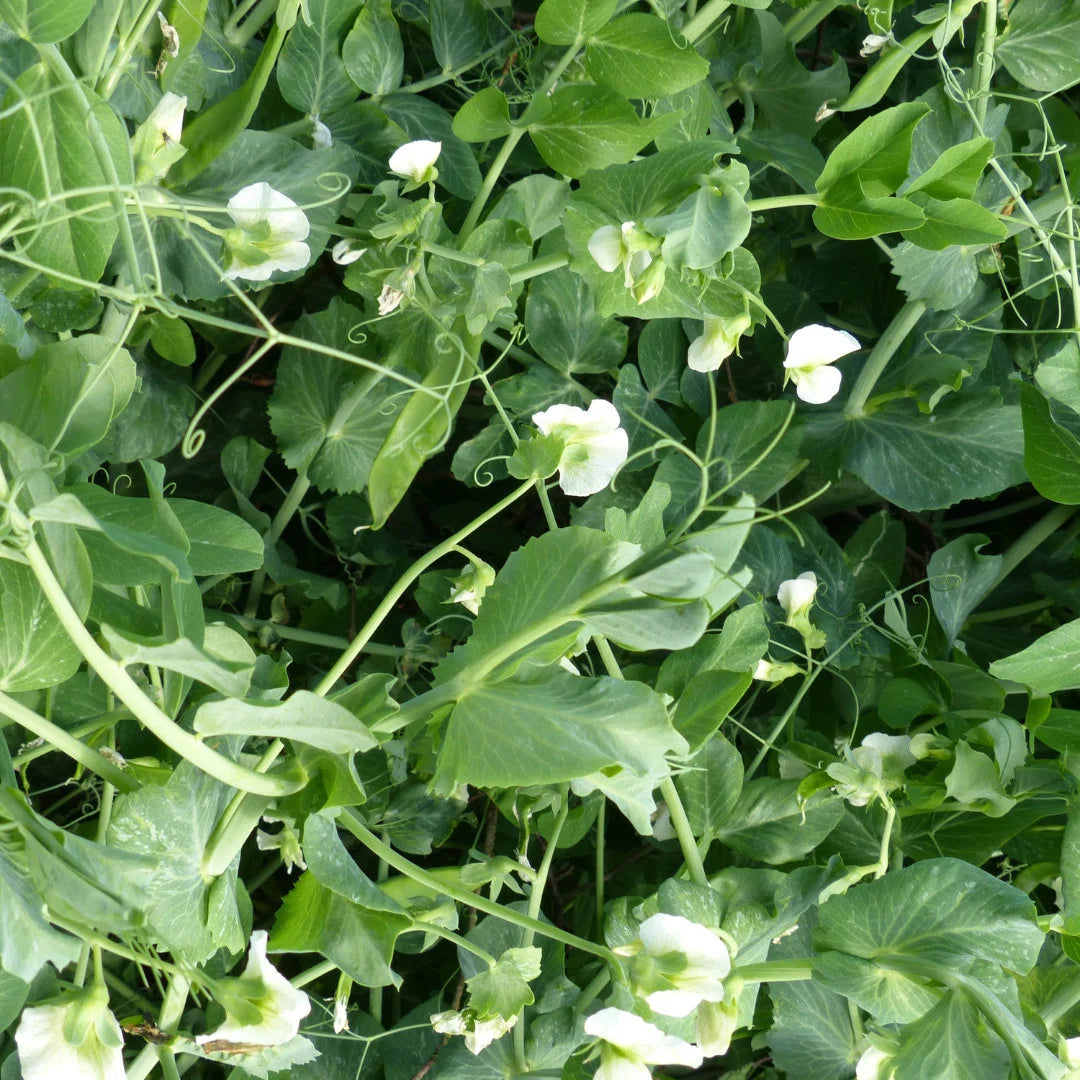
x: 211, y: 133
x: 187, y: 18
x: 418, y: 431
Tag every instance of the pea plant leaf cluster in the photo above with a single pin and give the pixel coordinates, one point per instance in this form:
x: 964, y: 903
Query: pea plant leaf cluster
x: 537, y: 539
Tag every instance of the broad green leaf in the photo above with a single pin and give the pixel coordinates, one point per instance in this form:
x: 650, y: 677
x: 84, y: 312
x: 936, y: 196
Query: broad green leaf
x: 458, y: 31
x: 968, y: 448
x: 959, y: 580
x: 302, y: 717
x: 943, y: 279
x: 939, y: 909
x: 45, y: 21
x: 706, y: 702
x: 953, y: 1041
x: 641, y: 56
x: 332, y: 866
x: 1058, y: 374
x: 484, y: 116
x: 888, y: 996
x: 13, y: 993
x: 562, y: 22
x: 710, y: 785
x: 579, y: 128
x: 955, y: 174
x: 953, y: 221
x: 565, y: 329
x: 504, y: 989
x: 373, y: 53
x: 67, y: 394
x: 537, y: 202
x: 1070, y: 865
x: 848, y: 212
x: 57, y: 309
x: 768, y: 823
x: 1051, y: 453
x: 173, y: 341
x: 45, y: 150
x: 328, y: 415
x: 187, y: 912
x: 974, y: 782
x: 310, y: 73
x: 1041, y: 45
x: 877, y: 151
x: 359, y: 940
x: 1050, y: 664
x: 1061, y: 731
x: 35, y: 650
x: 552, y: 730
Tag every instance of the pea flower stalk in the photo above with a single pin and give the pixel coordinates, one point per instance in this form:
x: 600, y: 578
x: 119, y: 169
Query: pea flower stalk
x: 811, y: 352
x: 269, y: 234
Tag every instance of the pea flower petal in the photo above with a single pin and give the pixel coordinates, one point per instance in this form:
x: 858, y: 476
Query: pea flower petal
x: 796, y: 597
x: 809, y: 353
x: 629, y: 1045
x: 706, y: 962
x: 272, y: 230
x: 345, y: 252
x: 594, y: 445
x: 415, y: 161
x: 716, y: 342
x: 45, y: 1052
x: 281, y: 1005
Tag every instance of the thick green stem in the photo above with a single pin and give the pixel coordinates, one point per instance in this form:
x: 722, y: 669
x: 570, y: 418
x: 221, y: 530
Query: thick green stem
x: 312, y: 637
x: 776, y: 971
x: 780, y: 202
x: 681, y: 824
x: 982, y: 70
x: 1029, y: 540
x: 902, y: 324
x: 350, y: 821
x: 300, y: 487
x: 802, y: 22
x: 1063, y: 1000
x: 230, y: 835
x: 703, y: 20
x: 538, y: 266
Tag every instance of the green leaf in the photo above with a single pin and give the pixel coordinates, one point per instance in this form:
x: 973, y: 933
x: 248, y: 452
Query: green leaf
x: 13, y: 993
x: 943, y: 279
x: 877, y: 151
x: 45, y: 21
x: 359, y: 940
x: 578, y: 128
x: 565, y: 329
x: 1051, y: 453
x: 888, y: 996
x: 563, y: 22
x: 941, y: 909
x: 1058, y: 374
x: 974, y: 782
x: 1041, y: 45
x: 504, y: 989
x: 769, y: 825
x: 173, y: 341
x: 955, y: 174
x: 310, y: 72
x: 332, y: 866
x: 302, y: 717
x: 953, y: 221
x: 847, y: 212
x: 953, y: 1041
x: 1060, y: 730
x: 373, y: 53
x: 710, y: 785
x: 45, y: 149
x: 458, y: 31
x: 1050, y: 664
x: 35, y: 650
x: 959, y: 580
x: 484, y: 116
x: 328, y: 415
x: 968, y: 448
x: 641, y: 56
x: 706, y: 702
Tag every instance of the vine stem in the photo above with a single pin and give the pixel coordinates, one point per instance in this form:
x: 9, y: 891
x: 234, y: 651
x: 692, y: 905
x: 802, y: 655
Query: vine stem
x: 982, y: 70
x: 351, y: 822
x: 1029, y: 540
x: 780, y: 202
x: 704, y: 19
x: 295, y: 496
x: 902, y: 324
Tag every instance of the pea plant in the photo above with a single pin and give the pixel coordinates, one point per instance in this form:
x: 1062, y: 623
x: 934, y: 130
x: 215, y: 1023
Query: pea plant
x: 537, y: 539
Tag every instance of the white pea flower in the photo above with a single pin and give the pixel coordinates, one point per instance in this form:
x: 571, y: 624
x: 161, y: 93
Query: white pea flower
x: 810, y: 352
x: 715, y: 1023
x: 345, y: 252
x: 630, y: 1045
x: 767, y: 671
x: 286, y: 841
x: 478, y: 1033
x: 155, y: 146
x: 594, y: 445
x: 77, y: 1040
x: 469, y: 586
x: 321, y: 139
x: 1069, y: 1050
x: 796, y: 597
x: 716, y: 342
x: 624, y: 246
x: 678, y: 964
x: 415, y: 161
x: 875, y: 1063
x: 269, y: 234
x: 873, y: 43
x: 650, y: 283
x: 878, y: 768
x: 264, y: 989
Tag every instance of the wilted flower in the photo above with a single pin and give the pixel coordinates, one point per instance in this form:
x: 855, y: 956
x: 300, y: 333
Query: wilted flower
x: 269, y: 234
x: 271, y: 1007
x: 630, y: 1045
x: 767, y: 671
x: 155, y: 146
x: 478, y: 1033
x: 286, y: 841
x: 650, y: 283
x: 415, y: 161
x: 170, y: 38
x: 469, y: 586
x: 76, y: 1040
x: 716, y: 342
x: 594, y: 445
x: 796, y: 597
x: 810, y: 352
x: 879, y: 765
x: 346, y: 251
x: 321, y: 139
x: 873, y: 43
x: 678, y: 964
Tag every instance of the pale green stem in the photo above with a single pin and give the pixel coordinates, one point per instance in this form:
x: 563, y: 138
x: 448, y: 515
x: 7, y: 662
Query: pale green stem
x: 703, y: 20
x: 802, y: 22
x: 351, y: 822
x: 1029, y: 540
x: 775, y: 971
x: 230, y: 835
x: 126, y: 48
x: 537, y: 267
x: 458, y: 940
x: 300, y: 487
x: 239, y: 35
x: 781, y: 202
x: 902, y: 324
x: 316, y: 971
x: 982, y: 70
x: 311, y: 637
